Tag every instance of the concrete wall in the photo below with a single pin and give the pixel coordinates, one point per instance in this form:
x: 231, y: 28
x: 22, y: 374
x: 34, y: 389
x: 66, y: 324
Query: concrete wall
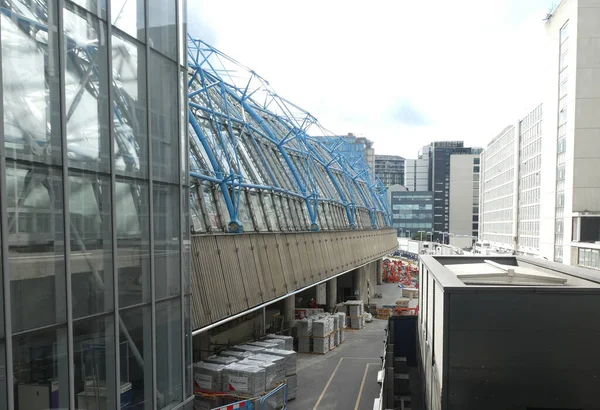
x: 233, y: 273
x: 463, y: 191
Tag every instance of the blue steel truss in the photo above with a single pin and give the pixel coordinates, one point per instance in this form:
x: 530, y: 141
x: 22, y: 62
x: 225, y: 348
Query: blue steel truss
x: 245, y: 140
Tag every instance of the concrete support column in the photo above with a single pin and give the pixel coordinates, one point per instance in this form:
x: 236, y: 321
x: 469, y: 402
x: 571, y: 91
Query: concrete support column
x: 379, y: 273
x: 289, y: 310
x: 331, y: 293
x: 360, y: 283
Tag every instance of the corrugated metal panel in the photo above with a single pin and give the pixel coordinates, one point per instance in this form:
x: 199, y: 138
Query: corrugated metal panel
x: 275, y: 263
x: 209, y: 267
x: 233, y: 275
x: 317, y: 243
x: 283, y: 245
x: 200, y: 316
x: 299, y: 272
x: 254, y: 283
x: 325, y: 241
x: 338, y: 251
x: 262, y: 264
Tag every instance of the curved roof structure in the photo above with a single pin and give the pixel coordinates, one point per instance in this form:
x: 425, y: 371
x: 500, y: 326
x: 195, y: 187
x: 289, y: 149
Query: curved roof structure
x: 256, y: 164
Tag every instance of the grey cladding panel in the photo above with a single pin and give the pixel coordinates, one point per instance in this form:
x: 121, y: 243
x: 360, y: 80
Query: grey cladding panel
x: 200, y: 307
x: 283, y: 245
x: 318, y: 246
x: 234, y: 277
x: 307, y: 252
x: 275, y: 262
x: 299, y: 271
x: 262, y: 265
x: 209, y: 267
x: 254, y: 283
x: 327, y: 257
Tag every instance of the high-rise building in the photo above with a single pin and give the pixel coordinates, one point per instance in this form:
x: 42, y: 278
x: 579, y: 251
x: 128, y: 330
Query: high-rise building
x: 438, y: 155
x: 416, y: 174
x: 510, y: 187
x: 464, y: 197
x: 390, y: 169
x: 412, y: 213
x: 570, y: 212
x: 353, y: 146
x: 93, y: 181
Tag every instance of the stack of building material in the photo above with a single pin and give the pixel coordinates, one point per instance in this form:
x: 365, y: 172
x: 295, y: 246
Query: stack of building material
x: 207, y: 403
x: 288, y: 340
x: 321, y: 344
x: 335, y: 334
x: 402, y: 302
x: 292, y: 384
x: 321, y: 334
x: 244, y: 380
x: 208, y: 376
x: 356, y: 313
x: 270, y: 344
x: 289, y: 357
x: 277, y: 360
x: 304, y: 328
x: 248, y: 348
x: 236, y: 353
x: 411, y: 293
x: 270, y: 371
x: 341, y: 316
x: 384, y: 313
x: 224, y: 360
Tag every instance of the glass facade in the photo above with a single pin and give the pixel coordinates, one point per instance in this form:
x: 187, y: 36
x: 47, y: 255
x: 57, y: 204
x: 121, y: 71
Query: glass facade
x: 93, y: 203
x: 412, y: 212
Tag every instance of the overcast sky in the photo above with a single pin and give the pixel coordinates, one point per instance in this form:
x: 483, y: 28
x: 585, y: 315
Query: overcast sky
x: 402, y: 73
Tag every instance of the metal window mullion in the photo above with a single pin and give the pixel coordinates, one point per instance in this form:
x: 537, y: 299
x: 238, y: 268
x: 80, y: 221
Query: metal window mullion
x: 150, y: 205
x: 7, y: 331
x: 66, y: 195
x: 113, y: 213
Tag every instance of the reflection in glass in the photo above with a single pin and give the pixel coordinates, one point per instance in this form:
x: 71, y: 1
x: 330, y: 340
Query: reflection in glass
x: 94, y: 364
x: 136, y: 329
x: 133, y: 246
x: 256, y: 207
x: 163, y: 118
x: 128, y: 15
x: 98, y: 7
x: 244, y: 213
x: 168, y: 353
x: 36, y: 252
x: 270, y: 211
x: 166, y: 240
x: 162, y: 29
x: 91, y: 244
x: 40, y: 368
x: 129, y: 93
x: 86, y: 90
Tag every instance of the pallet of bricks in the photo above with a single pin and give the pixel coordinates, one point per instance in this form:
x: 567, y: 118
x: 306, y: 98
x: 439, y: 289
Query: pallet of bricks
x: 321, y: 332
x: 355, y: 314
x: 384, y: 313
x: 247, y: 371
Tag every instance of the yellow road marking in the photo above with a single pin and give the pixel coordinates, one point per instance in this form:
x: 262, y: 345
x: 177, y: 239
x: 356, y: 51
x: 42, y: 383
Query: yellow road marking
x: 362, y: 385
x: 328, y: 383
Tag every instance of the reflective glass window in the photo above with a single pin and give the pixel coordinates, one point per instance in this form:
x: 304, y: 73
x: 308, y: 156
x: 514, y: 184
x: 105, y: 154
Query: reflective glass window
x: 166, y: 240
x: 256, y: 207
x: 270, y: 211
x: 214, y: 219
x: 86, y: 90
x: 129, y: 93
x: 97, y: 7
x: 244, y: 213
x: 169, y: 383
x: 162, y: 29
x: 163, y: 118
x: 133, y: 245
x: 128, y: 15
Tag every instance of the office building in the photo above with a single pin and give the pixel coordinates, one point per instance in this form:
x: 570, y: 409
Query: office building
x: 486, y: 339
x: 438, y: 155
x: 570, y: 212
x: 360, y: 146
x: 464, y: 197
x: 93, y: 183
x: 416, y: 174
x: 390, y: 169
x: 510, y: 187
x: 412, y: 213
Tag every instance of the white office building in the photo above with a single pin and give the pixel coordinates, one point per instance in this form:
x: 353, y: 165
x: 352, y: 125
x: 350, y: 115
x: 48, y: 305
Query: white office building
x: 464, y: 197
x: 510, y: 187
x: 416, y: 174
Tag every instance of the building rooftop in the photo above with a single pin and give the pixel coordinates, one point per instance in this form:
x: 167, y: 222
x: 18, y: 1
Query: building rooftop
x: 506, y: 272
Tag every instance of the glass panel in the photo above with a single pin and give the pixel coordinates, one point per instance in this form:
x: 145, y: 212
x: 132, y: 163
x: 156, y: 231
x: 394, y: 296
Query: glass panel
x: 128, y: 15
x: 197, y: 223
x: 168, y: 353
x: 279, y: 211
x: 98, y: 7
x: 162, y: 30
x: 188, y: 347
x: 86, y: 90
x: 133, y: 254
x: 129, y: 93
x: 245, y: 213
x: 136, y: 329
x: 35, y: 225
x: 212, y: 214
x: 182, y: 20
x: 40, y: 368
x: 95, y: 365
x: 91, y: 244
x: 164, y: 118
x: 256, y: 207
x: 287, y: 213
x: 166, y: 240
x: 30, y: 90
x: 183, y: 128
x: 271, y: 212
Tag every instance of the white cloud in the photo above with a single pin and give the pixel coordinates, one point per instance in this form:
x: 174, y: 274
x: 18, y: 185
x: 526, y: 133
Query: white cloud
x: 467, y: 67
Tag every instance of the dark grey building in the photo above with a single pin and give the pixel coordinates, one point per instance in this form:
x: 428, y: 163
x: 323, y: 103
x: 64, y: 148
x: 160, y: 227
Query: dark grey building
x: 501, y: 333
x: 412, y: 212
x: 390, y: 169
x: 438, y: 153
